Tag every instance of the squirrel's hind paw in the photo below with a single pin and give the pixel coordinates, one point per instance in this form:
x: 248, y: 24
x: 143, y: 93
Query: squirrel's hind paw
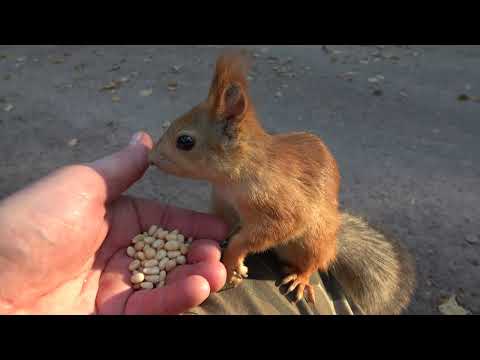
x: 302, y: 286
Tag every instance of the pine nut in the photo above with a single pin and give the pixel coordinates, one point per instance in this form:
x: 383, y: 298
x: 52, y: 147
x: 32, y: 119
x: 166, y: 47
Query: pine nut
x: 163, y: 275
x: 150, y: 253
x: 161, y: 234
x: 172, y: 245
x: 151, y: 270
x: 153, y: 229
x: 171, y: 237
x: 170, y: 265
x: 137, y: 278
x: 173, y: 254
x: 139, y: 245
x: 153, y: 278
x: 158, y: 244
x: 163, y: 263
x: 131, y: 251
x: 150, y: 263
x: 146, y: 285
x: 149, y: 240
x: 160, y: 254
x: 181, y: 260
x: 183, y: 249
x: 134, y: 265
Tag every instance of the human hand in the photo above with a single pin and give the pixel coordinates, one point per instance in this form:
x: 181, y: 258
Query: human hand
x: 63, y: 242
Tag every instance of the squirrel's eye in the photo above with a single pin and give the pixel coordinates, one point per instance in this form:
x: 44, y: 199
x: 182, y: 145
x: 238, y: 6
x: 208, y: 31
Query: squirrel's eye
x: 185, y: 142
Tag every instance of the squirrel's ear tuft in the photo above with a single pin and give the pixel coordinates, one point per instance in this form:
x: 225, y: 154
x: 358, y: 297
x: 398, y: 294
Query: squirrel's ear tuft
x: 228, y: 92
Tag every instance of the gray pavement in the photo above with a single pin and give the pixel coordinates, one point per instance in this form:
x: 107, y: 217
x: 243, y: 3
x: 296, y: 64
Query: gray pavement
x: 406, y: 144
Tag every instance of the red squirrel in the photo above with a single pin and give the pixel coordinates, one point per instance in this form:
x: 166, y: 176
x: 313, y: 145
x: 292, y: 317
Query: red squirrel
x: 280, y: 192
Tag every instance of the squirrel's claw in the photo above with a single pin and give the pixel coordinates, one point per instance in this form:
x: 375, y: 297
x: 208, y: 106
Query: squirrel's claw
x: 288, y: 279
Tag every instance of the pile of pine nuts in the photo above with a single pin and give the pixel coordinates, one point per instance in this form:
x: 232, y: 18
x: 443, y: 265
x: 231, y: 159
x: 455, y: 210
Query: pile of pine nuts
x: 155, y: 253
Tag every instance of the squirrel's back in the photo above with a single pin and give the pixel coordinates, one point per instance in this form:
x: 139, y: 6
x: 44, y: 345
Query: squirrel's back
x: 376, y: 272
x: 306, y: 159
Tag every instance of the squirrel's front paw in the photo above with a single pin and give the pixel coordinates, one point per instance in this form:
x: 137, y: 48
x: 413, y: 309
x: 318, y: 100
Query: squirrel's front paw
x: 236, y: 274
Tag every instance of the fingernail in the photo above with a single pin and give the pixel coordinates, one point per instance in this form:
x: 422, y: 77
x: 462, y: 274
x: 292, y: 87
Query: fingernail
x: 136, y: 138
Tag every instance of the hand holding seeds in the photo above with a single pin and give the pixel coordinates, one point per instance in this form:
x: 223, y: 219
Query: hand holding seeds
x: 64, y: 241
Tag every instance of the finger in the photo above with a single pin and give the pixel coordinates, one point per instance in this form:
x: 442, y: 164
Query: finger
x: 213, y: 271
x: 172, y: 299
x: 204, y: 250
x: 188, y: 222
x: 123, y: 168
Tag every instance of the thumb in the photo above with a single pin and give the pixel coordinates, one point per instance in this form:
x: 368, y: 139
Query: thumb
x: 123, y: 168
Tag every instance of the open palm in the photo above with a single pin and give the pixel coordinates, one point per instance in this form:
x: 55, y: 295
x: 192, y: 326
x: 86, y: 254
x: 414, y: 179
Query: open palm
x: 63, y: 241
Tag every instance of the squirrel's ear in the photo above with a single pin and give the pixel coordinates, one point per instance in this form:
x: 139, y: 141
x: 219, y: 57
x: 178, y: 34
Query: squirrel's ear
x: 228, y: 91
x: 234, y: 102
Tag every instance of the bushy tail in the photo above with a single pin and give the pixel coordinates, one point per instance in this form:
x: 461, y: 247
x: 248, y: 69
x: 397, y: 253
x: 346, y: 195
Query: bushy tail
x: 376, y: 273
